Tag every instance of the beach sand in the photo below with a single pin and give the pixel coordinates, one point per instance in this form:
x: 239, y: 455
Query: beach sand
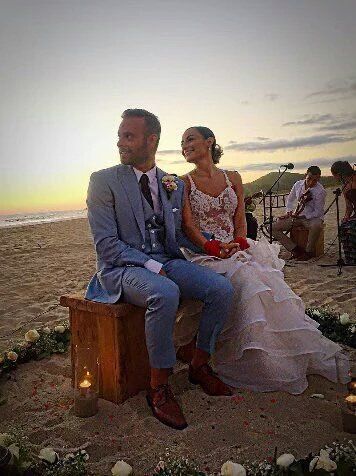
x: 40, y: 263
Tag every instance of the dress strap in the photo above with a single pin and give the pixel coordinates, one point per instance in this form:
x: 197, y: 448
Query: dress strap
x: 228, y: 181
x: 192, y: 184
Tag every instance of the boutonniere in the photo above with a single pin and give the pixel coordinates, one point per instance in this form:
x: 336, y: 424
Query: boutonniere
x: 169, y: 183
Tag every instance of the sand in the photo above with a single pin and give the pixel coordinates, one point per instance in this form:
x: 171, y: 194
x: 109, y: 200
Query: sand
x: 39, y: 263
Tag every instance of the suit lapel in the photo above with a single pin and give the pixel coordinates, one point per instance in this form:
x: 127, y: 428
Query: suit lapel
x: 129, y: 182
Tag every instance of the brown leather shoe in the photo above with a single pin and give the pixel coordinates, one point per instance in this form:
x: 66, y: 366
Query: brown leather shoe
x: 165, y: 407
x: 208, y: 380
x: 305, y: 256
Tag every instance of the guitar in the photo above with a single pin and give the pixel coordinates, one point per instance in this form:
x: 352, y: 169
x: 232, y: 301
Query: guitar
x: 250, y: 206
x: 303, y: 200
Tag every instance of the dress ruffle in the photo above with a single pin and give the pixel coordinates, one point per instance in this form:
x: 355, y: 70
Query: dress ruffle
x: 268, y: 342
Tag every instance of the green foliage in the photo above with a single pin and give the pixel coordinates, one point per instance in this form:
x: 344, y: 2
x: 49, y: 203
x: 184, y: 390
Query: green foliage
x: 70, y: 465
x: 177, y: 467
x: 51, y: 342
x: 331, y: 327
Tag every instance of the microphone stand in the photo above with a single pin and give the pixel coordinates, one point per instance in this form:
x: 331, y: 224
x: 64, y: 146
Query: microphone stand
x: 269, y: 193
x: 340, y: 263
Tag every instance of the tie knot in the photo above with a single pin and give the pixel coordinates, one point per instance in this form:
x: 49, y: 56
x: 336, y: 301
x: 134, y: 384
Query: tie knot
x: 144, y: 179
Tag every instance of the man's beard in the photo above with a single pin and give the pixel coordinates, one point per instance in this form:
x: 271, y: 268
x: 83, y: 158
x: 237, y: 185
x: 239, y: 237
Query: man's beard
x: 140, y: 156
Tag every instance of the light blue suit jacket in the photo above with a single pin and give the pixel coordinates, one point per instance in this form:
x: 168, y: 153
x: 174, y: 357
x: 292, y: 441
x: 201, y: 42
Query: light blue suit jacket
x: 116, y: 218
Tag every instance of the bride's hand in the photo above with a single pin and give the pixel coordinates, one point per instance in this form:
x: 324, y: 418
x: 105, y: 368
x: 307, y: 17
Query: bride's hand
x: 228, y: 249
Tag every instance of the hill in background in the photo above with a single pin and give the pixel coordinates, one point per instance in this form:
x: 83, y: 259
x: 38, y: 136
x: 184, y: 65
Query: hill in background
x: 285, y: 184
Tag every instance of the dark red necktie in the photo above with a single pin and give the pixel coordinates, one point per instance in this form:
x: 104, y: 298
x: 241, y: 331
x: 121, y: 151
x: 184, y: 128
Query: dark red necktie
x: 145, y: 189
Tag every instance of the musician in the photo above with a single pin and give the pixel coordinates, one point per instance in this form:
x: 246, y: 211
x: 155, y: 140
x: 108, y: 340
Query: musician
x: 309, y: 213
x: 251, y: 221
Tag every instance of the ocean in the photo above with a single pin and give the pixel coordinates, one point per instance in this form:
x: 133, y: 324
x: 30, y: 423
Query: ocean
x: 21, y: 219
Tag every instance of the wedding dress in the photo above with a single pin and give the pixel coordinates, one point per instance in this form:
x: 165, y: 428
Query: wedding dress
x: 268, y: 342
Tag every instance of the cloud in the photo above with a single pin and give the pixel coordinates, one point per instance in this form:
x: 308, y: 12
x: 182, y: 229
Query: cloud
x: 310, y: 120
x: 342, y: 126
x: 342, y: 89
x: 285, y: 144
x: 300, y: 165
x: 169, y: 152
x: 272, y: 96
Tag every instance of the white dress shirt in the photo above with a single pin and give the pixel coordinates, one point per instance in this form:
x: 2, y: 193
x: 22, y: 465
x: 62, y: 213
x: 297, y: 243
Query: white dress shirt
x: 152, y: 264
x: 314, y: 208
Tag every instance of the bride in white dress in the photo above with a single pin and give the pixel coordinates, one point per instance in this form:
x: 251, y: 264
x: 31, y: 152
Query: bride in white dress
x: 268, y: 343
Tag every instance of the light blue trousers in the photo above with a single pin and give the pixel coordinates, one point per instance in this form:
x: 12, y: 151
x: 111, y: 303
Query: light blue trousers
x: 161, y: 296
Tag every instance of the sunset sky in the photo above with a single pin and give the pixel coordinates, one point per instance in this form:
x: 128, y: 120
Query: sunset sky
x: 274, y: 79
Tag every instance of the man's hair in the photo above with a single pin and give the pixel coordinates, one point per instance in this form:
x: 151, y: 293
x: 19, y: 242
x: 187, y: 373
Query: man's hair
x: 153, y: 126
x: 314, y: 170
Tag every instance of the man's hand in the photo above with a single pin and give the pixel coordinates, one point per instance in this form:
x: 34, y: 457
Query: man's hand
x: 162, y: 272
x: 287, y: 215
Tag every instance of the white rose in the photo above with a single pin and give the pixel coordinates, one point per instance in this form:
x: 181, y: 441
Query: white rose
x: 46, y: 330
x: 14, y: 450
x: 60, y: 329
x: 49, y: 455
x: 316, y: 313
x: 32, y: 336
x: 84, y: 454
x: 322, y: 462
x: 5, y: 438
x: 344, y: 319
x: 121, y: 468
x: 12, y: 356
x: 285, y: 460
x: 232, y: 469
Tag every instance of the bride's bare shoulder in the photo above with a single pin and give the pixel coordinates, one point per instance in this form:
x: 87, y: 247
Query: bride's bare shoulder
x: 186, y: 180
x: 234, y: 176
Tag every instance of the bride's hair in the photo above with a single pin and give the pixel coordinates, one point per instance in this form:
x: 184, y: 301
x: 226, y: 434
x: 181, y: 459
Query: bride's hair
x: 216, y: 150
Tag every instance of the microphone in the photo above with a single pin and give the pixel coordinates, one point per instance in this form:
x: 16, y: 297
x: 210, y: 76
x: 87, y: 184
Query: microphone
x: 288, y: 166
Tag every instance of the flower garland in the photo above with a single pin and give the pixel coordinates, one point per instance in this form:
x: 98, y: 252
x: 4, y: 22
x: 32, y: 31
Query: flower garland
x: 333, y: 325
x: 37, y: 344
x: 338, y: 459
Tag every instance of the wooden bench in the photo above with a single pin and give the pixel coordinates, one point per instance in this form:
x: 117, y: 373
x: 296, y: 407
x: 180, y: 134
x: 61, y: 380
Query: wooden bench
x: 299, y: 235
x: 116, y: 332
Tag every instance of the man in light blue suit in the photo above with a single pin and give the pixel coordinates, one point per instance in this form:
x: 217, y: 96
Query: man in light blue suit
x: 135, y: 218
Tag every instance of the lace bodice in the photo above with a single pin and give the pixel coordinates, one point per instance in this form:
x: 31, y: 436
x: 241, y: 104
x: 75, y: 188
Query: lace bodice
x: 214, y: 214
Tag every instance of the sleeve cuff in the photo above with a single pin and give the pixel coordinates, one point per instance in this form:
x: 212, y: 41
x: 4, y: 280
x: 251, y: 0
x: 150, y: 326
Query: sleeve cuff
x: 153, y: 265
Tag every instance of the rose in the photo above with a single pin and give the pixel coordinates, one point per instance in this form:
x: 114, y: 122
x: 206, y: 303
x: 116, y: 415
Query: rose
x: 14, y: 450
x: 353, y: 329
x: 84, y: 455
x: 11, y: 355
x: 5, y: 439
x: 322, y: 462
x: 46, y: 330
x: 232, y: 469
x: 344, y: 319
x: 316, y: 313
x: 285, y: 460
x: 32, y: 336
x: 121, y: 468
x: 169, y: 183
x: 49, y: 455
x: 59, y: 329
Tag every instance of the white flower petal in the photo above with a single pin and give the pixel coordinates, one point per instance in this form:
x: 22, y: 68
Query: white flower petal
x: 121, y: 468
x: 285, y: 460
x: 230, y: 468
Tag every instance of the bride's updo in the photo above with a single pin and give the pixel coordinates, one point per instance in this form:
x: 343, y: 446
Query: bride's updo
x: 216, y: 150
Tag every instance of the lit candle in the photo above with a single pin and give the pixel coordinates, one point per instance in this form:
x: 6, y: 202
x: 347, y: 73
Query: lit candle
x: 351, y: 402
x: 85, y: 384
x: 351, y: 386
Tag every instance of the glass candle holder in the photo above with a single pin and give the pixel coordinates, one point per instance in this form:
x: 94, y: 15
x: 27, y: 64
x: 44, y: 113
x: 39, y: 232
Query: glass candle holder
x: 86, y: 382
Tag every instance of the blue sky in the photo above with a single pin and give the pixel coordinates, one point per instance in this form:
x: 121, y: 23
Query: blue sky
x: 275, y: 80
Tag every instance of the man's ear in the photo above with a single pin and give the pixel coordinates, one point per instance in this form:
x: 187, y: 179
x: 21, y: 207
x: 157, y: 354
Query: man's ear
x: 152, y: 140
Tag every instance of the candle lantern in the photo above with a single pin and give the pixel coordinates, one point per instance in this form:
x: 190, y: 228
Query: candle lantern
x: 349, y: 408
x: 86, y: 382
